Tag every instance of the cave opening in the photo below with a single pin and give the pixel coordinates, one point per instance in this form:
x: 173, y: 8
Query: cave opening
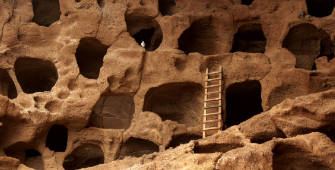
x: 7, y: 86
x: 243, y: 100
x: 89, y: 56
x: 307, y: 43
x: 288, y: 156
x: 46, y: 12
x: 145, y: 30
x: 182, y: 139
x: 33, y: 159
x: 136, y: 147
x: 113, y: 111
x: 216, y: 147
x: 101, y: 3
x: 181, y: 102
x: 202, y: 37
x: 249, y: 38
x: 35, y: 75
x: 166, y: 7
x: 320, y: 8
x: 27, y: 156
x: 57, y: 138
x: 85, y: 155
x: 246, y: 2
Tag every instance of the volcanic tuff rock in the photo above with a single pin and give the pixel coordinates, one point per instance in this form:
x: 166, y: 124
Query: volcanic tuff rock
x: 77, y: 89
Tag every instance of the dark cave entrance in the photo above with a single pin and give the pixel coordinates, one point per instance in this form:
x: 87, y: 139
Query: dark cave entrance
x: 46, y: 12
x: 182, y: 139
x: 101, y: 3
x: 35, y: 75
x: 27, y: 156
x: 307, y: 43
x: 249, y: 38
x: 145, y: 29
x: 33, y: 159
x: 90, y: 55
x: 57, y: 138
x: 243, y: 100
x: 246, y: 2
x: 166, y: 7
x: 136, y: 147
x: 320, y: 8
x: 113, y: 111
x: 287, y: 157
x: 7, y: 86
x: 180, y: 102
x: 86, y: 155
x: 200, y: 37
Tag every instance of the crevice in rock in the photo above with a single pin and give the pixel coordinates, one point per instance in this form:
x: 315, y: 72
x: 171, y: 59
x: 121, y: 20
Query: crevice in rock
x: 288, y: 156
x: 57, y: 138
x: 216, y: 147
x: 113, y: 111
x: 243, y: 100
x: 320, y: 8
x: 29, y: 157
x: 182, y: 139
x: 246, y: 2
x: 35, y: 75
x: 7, y: 86
x: 145, y: 30
x: 249, y: 38
x: 85, y: 155
x: 136, y: 147
x: 264, y: 137
x: 202, y: 36
x: 307, y: 43
x: 166, y: 7
x: 46, y: 12
x: 89, y: 55
x: 101, y: 3
x: 181, y: 102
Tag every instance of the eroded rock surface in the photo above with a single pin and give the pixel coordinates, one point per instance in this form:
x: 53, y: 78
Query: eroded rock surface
x: 114, y: 84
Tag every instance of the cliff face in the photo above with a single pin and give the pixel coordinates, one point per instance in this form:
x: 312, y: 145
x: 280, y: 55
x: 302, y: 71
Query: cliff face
x: 77, y: 89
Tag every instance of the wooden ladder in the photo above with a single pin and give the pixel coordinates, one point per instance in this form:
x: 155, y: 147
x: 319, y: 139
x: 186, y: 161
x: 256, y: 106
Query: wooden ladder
x: 212, y: 118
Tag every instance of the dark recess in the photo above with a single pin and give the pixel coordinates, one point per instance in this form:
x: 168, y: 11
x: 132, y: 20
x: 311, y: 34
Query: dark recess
x: 136, y: 147
x: 46, y: 12
x: 249, y: 38
x: 180, y: 102
x: 307, y: 43
x: 7, y: 86
x: 89, y: 55
x: 57, y: 138
x: 145, y: 29
x: 320, y: 8
x: 166, y: 7
x: 243, y: 100
x: 86, y: 155
x: 247, y: 2
x: 182, y: 139
x: 200, y: 37
x: 35, y: 75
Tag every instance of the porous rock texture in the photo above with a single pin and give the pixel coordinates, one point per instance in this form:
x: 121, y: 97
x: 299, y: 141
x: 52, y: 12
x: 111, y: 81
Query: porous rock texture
x: 77, y: 89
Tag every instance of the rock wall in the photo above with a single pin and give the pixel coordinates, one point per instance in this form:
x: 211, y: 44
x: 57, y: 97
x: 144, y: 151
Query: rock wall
x: 87, y: 82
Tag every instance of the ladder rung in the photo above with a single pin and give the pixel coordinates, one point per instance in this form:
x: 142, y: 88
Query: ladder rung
x: 216, y: 72
x: 217, y: 85
x: 211, y: 128
x: 210, y: 114
x: 213, y: 79
x: 211, y: 121
x: 214, y: 92
x: 209, y: 100
x: 209, y: 107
